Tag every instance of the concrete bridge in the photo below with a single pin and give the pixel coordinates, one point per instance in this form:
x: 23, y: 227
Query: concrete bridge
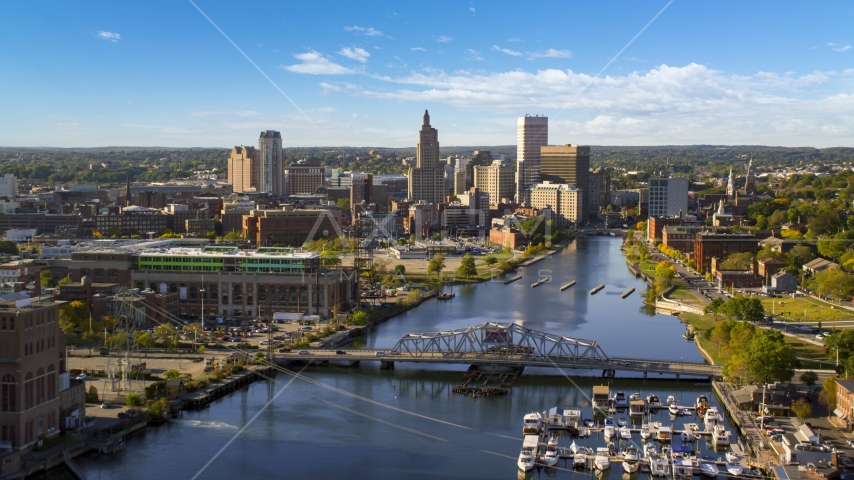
x: 504, y: 345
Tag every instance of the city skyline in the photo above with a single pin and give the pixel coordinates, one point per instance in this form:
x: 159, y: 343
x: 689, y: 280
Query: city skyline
x: 640, y: 74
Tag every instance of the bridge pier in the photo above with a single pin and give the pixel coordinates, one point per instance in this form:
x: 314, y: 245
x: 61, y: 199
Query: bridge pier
x: 608, y: 373
x: 644, y: 375
x: 677, y: 377
x: 386, y: 365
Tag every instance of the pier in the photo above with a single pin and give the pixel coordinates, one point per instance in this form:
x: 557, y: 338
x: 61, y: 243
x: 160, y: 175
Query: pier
x: 517, y: 277
x: 539, y: 282
x: 596, y: 290
x: 564, y: 287
x: 628, y: 292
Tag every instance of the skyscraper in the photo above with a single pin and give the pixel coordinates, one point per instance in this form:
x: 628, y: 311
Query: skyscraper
x: 569, y: 164
x: 271, y: 163
x: 531, y: 134
x: 305, y: 177
x: 427, y: 177
x: 243, y: 169
x: 496, y: 180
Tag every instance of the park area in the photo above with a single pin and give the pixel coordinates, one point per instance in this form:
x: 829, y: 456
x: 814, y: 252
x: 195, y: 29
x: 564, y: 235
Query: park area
x: 805, y: 309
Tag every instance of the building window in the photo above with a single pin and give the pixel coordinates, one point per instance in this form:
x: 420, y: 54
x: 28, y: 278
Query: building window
x: 8, y: 394
x: 28, y: 391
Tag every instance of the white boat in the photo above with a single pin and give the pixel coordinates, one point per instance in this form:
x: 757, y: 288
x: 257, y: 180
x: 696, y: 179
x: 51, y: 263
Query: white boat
x: 701, y: 401
x: 686, y: 437
x: 732, y: 457
x: 673, y: 409
x: 571, y: 418
x: 711, y: 417
x: 658, y: 465
x: 671, y: 399
x: 533, y: 422
x: 579, y: 459
x: 551, y: 457
x: 645, y: 433
x: 692, y: 427
x: 631, y: 460
x: 527, y: 455
x: 709, y: 470
x: 652, y: 401
x: 555, y: 417
x: 682, y: 467
x: 608, y: 428
x: 635, y: 396
x: 573, y: 449
x: 625, y: 433
x: 620, y: 400
x: 589, y: 423
x: 686, y: 412
x: 603, y: 459
x: 720, y: 436
x: 664, y: 434
x: 621, y: 422
x: 656, y: 425
x: 734, y: 469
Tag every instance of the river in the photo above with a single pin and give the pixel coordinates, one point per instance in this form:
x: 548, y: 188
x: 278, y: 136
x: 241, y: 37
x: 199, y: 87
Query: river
x: 364, y: 422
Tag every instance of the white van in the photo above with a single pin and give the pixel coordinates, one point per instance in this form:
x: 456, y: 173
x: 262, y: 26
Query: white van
x: 380, y: 354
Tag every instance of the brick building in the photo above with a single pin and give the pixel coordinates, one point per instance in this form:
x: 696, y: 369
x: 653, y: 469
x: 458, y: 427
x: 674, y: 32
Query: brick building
x: 305, y: 177
x: 768, y: 267
x: 721, y: 245
x: 291, y: 226
x: 679, y: 237
x: 655, y: 227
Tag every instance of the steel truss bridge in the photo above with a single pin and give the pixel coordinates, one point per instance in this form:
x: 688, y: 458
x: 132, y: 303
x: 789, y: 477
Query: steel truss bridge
x: 505, y: 344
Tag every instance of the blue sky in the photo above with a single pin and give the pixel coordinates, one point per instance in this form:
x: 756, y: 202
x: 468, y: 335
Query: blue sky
x: 159, y: 73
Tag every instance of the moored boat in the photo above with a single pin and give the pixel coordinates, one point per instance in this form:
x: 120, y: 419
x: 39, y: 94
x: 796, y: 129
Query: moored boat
x: 625, y: 433
x: 533, y: 422
x: 551, y: 457
x: 709, y: 470
x: 620, y: 400
x: 645, y: 433
x: 720, y: 436
x: 652, y: 401
x: 608, y: 428
x: 603, y: 459
x: 673, y: 409
x: 734, y: 469
x: 527, y: 455
x: 631, y: 460
x: 664, y: 434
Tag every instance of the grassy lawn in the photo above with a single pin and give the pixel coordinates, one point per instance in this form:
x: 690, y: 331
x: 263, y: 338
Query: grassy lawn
x: 792, y: 309
x: 687, y: 296
x: 648, y: 267
x: 806, y: 350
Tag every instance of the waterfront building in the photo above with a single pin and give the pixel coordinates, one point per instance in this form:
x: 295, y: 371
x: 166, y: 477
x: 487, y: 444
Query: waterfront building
x: 532, y: 133
x: 668, y: 196
x: 565, y: 201
x: 427, y: 177
x: 721, y: 245
x: 243, y: 169
x: 271, y: 161
x: 569, y: 164
x: 291, y: 226
x: 33, y: 347
x: 496, y: 180
x: 680, y: 237
x: 304, y: 178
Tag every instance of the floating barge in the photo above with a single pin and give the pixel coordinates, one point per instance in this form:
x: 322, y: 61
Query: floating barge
x: 628, y: 292
x: 596, y: 290
x: 564, y: 287
x: 539, y: 282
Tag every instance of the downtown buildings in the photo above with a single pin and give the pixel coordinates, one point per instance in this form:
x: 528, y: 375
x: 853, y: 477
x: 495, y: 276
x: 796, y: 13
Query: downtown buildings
x: 532, y: 133
x: 427, y: 177
x: 261, y: 169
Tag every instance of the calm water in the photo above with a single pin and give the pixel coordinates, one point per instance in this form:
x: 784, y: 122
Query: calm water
x: 363, y: 422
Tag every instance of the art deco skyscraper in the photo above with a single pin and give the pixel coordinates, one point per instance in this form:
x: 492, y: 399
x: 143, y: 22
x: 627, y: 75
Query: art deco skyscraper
x: 427, y: 177
x: 271, y: 163
x: 531, y: 134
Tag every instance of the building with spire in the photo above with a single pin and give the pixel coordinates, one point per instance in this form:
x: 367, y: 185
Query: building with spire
x: 730, y: 185
x: 427, y: 177
x: 750, y: 179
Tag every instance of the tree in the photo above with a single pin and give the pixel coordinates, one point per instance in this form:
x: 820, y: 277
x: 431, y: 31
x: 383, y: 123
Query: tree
x: 330, y: 259
x: 167, y: 335
x: 714, y: 307
x: 800, y: 255
x: 360, y: 318
x: 827, y: 396
x: 802, y: 409
x: 437, y: 264
x: 467, y: 268
x: 132, y: 399
x: 172, y: 374
x: 399, y: 269
x: 437, y: 236
x: 834, y: 246
x: 738, y: 261
x: 490, y: 260
x: 232, y: 237
x: 809, y: 378
x: 64, y: 281
x: 770, y: 358
x: 146, y: 341
x: 833, y: 283
x: 46, y: 278
x: 92, y: 395
x: 840, y: 345
x: 9, y: 247
x: 719, y: 336
x: 664, y: 274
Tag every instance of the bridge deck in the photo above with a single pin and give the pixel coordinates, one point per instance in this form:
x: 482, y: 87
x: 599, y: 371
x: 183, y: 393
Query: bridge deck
x: 621, y: 364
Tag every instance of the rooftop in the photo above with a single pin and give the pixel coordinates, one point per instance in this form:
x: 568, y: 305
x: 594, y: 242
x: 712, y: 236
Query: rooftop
x: 229, y: 251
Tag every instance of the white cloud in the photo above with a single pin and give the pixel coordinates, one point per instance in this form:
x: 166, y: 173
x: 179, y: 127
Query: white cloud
x: 848, y: 72
x: 842, y: 49
x: 550, y: 53
x: 507, y: 51
x: 109, y: 36
x: 444, y: 39
x: 355, y: 53
x: 667, y: 104
x: 368, y: 32
x: 474, y: 55
x: 472, y: 10
x: 238, y: 113
x: 313, y: 63
x: 418, y: 49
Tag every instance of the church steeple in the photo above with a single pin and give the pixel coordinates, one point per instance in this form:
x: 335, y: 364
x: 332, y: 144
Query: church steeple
x: 730, y: 186
x: 721, y: 210
x: 127, y: 191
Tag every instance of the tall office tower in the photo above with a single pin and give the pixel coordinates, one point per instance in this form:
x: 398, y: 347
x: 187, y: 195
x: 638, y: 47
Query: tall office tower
x: 531, y: 134
x: 668, y: 197
x: 361, y: 190
x: 271, y: 162
x: 9, y: 185
x: 243, y: 169
x: 427, y: 177
x: 496, y: 180
x: 305, y: 177
x: 569, y: 164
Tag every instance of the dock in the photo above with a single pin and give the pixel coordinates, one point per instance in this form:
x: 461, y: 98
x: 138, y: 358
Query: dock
x: 596, y: 290
x: 628, y: 292
x: 539, y: 282
x: 564, y: 287
x: 517, y: 277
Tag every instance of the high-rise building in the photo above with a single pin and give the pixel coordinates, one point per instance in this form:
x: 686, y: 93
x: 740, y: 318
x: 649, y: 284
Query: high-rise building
x: 496, y: 180
x: 271, y: 161
x: 564, y: 200
x: 668, y: 196
x: 243, y: 169
x: 602, y: 178
x: 8, y: 185
x: 427, y: 177
x: 361, y: 190
x: 569, y: 164
x: 531, y: 134
x: 305, y: 177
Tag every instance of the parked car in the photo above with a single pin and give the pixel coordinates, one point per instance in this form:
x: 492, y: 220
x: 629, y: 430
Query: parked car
x: 304, y: 352
x: 82, y: 376
x: 103, y: 351
x: 107, y: 405
x: 340, y: 352
x: 380, y: 354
